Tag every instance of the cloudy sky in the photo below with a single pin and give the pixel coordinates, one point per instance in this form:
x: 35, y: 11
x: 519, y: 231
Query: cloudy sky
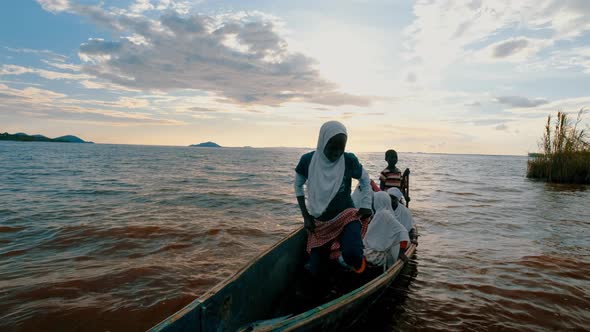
x: 433, y: 76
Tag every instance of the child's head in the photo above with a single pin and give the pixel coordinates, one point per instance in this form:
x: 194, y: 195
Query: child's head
x: 332, y: 140
x: 391, y: 157
x: 335, y: 147
x: 396, y: 196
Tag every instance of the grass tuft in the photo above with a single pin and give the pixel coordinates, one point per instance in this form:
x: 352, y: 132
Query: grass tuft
x: 565, y: 155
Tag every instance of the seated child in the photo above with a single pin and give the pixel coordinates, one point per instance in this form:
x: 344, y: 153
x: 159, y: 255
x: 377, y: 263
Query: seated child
x: 385, y: 234
x: 402, y: 213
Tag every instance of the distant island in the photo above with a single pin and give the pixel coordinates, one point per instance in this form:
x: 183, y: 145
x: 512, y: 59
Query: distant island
x: 40, y: 138
x: 206, y: 145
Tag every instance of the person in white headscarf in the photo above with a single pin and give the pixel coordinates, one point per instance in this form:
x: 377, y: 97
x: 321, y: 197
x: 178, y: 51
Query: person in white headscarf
x: 402, y: 213
x: 385, y: 233
x: 358, y: 195
x: 329, y: 214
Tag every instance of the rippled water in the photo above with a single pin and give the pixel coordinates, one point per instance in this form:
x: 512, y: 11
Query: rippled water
x: 113, y: 237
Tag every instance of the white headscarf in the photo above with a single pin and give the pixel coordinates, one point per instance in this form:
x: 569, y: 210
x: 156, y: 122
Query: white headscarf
x: 384, y: 229
x: 395, y: 192
x: 358, y: 196
x: 324, y: 177
x: 404, y: 216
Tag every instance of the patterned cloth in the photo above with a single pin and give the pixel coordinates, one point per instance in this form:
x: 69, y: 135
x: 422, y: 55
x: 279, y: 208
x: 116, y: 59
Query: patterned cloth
x: 329, y: 231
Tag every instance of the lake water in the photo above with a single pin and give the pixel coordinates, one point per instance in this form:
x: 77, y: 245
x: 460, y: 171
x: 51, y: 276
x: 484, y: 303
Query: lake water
x: 115, y: 237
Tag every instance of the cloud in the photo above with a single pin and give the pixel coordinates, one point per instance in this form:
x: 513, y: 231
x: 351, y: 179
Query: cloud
x: 482, y: 122
x: 566, y: 105
x: 63, y: 66
x: 57, y: 106
x: 102, y: 85
x: 55, y: 56
x: 127, y: 102
x: 7, y: 96
x: 99, y: 46
x: 521, y: 102
x: 509, y: 47
x: 574, y: 58
x: 569, y: 18
x: 516, y: 49
x: 240, y: 58
x: 104, y: 117
x: 203, y: 110
x: 487, y: 122
x: 423, y: 134
x: 502, y: 126
x: 30, y: 96
x: 47, y: 74
x: 140, y: 6
x: 445, y: 32
x: 54, y: 6
x: 198, y: 112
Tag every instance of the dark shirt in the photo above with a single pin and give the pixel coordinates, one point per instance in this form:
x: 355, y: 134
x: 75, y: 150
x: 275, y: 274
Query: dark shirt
x: 342, y: 200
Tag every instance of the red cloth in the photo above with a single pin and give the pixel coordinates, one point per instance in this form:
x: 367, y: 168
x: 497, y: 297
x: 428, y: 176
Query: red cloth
x: 326, y: 231
x: 374, y: 186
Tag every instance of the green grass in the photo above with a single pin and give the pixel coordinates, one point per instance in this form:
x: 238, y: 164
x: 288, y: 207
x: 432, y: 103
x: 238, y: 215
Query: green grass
x: 565, y: 152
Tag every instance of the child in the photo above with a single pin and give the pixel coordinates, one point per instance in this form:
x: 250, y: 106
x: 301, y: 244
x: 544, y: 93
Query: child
x: 391, y: 176
x: 385, y: 234
x: 333, y: 223
x: 402, y: 214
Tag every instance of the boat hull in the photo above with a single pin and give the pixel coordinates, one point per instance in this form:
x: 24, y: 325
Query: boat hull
x: 246, y: 301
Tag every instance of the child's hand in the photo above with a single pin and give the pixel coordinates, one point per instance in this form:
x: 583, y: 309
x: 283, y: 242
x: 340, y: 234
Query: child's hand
x: 414, y: 236
x: 364, y: 213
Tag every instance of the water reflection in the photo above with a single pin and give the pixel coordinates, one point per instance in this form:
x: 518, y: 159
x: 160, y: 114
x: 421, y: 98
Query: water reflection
x: 385, y: 314
x: 560, y: 187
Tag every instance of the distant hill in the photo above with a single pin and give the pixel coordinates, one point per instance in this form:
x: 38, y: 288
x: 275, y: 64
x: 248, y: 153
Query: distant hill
x: 40, y: 138
x: 207, y: 145
x: 69, y: 139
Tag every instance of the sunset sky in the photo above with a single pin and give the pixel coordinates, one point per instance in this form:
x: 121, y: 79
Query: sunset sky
x: 431, y: 76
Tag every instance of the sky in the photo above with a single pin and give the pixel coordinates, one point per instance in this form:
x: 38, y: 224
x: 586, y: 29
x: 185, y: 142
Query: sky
x: 418, y: 76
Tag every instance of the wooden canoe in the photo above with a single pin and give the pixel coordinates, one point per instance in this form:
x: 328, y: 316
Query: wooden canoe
x: 247, y: 300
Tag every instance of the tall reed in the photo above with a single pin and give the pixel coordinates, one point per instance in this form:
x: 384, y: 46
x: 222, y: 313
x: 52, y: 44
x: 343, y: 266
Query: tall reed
x: 565, y: 156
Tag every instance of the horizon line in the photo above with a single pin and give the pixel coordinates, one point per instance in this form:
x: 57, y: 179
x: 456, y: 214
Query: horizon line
x: 295, y: 147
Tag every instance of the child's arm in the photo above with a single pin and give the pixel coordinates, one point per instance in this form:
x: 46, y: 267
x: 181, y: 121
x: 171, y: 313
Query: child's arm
x: 365, y: 189
x: 382, y: 181
x: 308, y: 220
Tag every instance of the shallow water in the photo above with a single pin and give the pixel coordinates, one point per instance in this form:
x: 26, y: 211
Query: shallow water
x: 114, y: 237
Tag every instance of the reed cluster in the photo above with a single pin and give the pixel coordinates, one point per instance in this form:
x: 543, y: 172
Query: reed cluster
x: 565, y: 152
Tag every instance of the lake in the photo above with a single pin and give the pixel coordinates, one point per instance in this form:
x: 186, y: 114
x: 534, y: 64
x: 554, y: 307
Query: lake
x: 97, y: 237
